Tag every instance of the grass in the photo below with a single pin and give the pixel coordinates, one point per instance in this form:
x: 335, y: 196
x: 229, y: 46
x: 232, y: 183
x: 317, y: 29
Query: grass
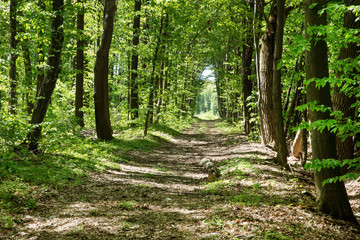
x: 126, y: 205
x: 208, y: 115
x: 67, y: 158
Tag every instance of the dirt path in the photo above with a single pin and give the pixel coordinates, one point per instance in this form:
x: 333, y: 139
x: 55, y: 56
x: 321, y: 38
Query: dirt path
x: 164, y: 194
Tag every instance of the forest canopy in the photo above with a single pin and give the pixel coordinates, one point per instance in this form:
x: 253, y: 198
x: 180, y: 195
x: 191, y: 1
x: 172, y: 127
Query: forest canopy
x: 70, y: 69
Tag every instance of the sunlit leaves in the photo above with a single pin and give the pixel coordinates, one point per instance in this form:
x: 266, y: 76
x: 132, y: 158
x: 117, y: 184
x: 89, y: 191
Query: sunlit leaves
x: 353, y: 164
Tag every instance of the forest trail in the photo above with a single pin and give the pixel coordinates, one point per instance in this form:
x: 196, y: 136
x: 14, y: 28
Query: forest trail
x: 164, y: 194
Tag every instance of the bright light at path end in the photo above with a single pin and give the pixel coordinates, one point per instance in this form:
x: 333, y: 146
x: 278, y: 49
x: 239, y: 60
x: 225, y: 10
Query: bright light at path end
x: 208, y: 74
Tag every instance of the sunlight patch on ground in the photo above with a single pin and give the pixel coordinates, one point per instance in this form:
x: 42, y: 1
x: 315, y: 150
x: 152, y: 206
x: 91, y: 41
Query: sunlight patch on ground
x: 176, y: 187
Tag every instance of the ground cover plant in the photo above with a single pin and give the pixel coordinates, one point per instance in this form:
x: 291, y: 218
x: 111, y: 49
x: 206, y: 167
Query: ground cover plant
x: 155, y: 188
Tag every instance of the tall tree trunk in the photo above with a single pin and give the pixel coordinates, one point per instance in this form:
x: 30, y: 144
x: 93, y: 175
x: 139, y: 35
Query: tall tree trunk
x: 332, y: 197
x: 266, y: 108
x: 101, y: 74
x: 161, y: 87
x: 299, y: 66
x: 28, y: 78
x: 80, y: 59
x: 134, y: 88
x: 341, y: 101
x: 150, y: 109
x: 47, y: 87
x: 13, y: 57
x: 248, y: 49
x: 281, y: 147
x: 40, y: 76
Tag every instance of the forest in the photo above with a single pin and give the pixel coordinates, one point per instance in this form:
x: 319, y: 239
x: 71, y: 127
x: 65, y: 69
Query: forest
x: 179, y: 119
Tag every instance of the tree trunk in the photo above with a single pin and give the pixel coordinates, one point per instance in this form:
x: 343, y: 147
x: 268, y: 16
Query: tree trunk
x: 332, y: 197
x: 40, y: 76
x: 295, y: 99
x: 101, y: 74
x: 266, y: 108
x: 256, y: 26
x: 47, y: 87
x: 28, y: 78
x: 248, y: 49
x: 13, y: 57
x: 79, y: 94
x: 341, y: 101
x: 277, y: 91
x: 134, y: 88
x: 150, y: 109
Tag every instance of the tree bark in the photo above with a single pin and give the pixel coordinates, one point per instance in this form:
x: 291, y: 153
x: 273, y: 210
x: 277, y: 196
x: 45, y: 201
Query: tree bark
x: 28, y: 78
x: 101, y: 75
x: 278, y: 116
x: 40, y: 76
x: 150, y: 109
x: 13, y: 57
x: 332, y: 197
x: 47, y: 87
x: 248, y: 49
x: 341, y: 101
x: 80, y: 59
x: 266, y: 108
x: 134, y: 88
x: 295, y: 98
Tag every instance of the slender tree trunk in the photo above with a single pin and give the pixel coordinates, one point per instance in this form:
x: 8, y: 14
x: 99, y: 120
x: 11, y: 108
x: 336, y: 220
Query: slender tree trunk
x: 341, y: 101
x: 80, y: 59
x: 332, y: 197
x: 266, y: 108
x: 101, y: 74
x: 248, y: 49
x: 47, y: 87
x: 160, y: 95
x: 150, y: 110
x: 304, y: 145
x: 299, y: 66
x: 28, y: 78
x: 13, y: 57
x: 293, y: 102
x: 277, y: 91
x: 40, y: 76
x: 134, y: 88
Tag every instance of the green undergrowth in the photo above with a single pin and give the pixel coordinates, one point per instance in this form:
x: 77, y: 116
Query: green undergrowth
x: 229, y: 128
x: 247, y: 183
x: 240, y: 183
x: 66, y: 159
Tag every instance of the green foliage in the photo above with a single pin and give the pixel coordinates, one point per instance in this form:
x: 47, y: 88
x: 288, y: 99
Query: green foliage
x: 126, y: 205
x: 353, y: 165
x: 68, y: 158
x: 220, y: 187
x: 207, y: 101
x: 6, y: 222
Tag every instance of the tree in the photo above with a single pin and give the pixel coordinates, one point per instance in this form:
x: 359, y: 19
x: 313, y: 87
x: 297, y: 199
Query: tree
x: 80, y: 59
x: 277, y: 103
x: 247, y: 52
x: 47, y: 86
x: 150, y: 110
x: 101, y: 74
x: 266, y: 112
x: 13, y: 57
x: 332, y: 197
x: 343, y: 101
x: 134, y: 88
